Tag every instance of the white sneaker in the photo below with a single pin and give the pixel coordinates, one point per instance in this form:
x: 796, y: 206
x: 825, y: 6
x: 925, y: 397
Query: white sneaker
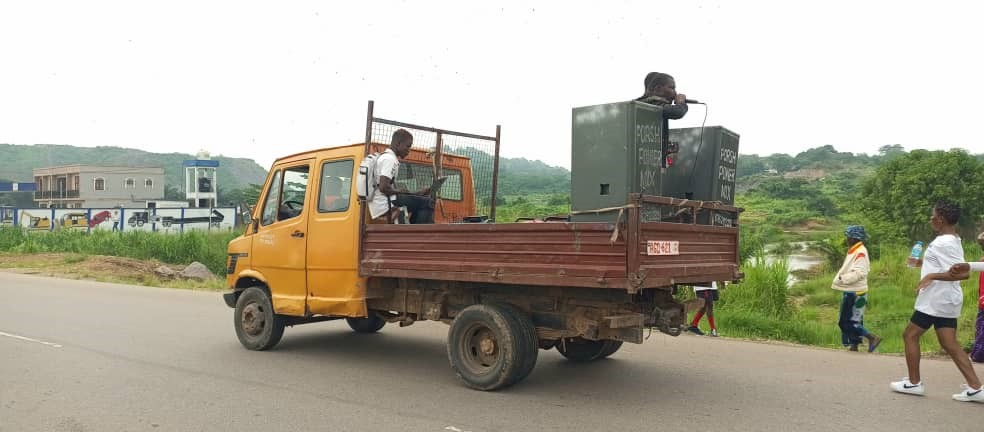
x: 905, y: 386
x: 969, y: 395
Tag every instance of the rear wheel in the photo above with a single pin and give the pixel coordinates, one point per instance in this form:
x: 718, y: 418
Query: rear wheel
x: 582, y: 350
x: 490, y: 346
x: 370, y: 324
x: 257, y: 326
x: 526, y: 324
x: 611, y: 346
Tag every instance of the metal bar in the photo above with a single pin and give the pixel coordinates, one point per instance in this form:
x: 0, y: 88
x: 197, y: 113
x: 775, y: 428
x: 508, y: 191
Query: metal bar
x: 678, y: 202
x: 438, y: 155
x: 632, y: 233
x: 363, y: 205
x: 431, y: 129
x: 368, y: 128
x: 495, y: 172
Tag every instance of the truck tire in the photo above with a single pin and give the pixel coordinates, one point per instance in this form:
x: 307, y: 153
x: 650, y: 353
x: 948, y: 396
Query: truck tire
x: 257, y: 326
x: 489, y: 347
x: 524, y: 322
x: 611, y: 346
x: 581, y: 350
x: 369, y: 324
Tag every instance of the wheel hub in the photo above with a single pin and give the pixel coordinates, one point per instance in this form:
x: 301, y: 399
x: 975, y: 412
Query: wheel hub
x: 253, y: 319
x: 487, y: 345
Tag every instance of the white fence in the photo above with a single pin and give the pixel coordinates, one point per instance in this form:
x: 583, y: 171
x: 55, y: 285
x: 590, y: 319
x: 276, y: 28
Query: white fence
x: 168, y: 220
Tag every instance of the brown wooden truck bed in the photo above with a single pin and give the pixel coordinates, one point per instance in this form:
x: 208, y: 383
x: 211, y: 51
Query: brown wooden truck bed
x: 565, y: 254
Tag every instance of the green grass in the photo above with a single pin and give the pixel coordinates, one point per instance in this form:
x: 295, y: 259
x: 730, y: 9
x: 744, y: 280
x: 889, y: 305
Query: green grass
x: 183, y: 248
x: 532, y: 206
x: 761, y: 308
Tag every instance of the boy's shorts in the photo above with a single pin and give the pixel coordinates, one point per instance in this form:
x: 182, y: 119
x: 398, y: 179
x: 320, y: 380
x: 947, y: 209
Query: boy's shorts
x: 708, y: 294
x: 925, y: 321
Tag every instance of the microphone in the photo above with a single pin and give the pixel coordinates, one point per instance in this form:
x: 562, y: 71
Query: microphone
x: 694, y: 101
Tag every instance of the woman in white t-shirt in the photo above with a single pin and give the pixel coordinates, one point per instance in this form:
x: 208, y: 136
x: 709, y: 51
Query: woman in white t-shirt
x: 708, y: 292
x: 938, y: 305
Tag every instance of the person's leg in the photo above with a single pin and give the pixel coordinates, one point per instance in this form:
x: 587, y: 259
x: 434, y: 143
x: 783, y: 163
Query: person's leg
x: 709, y: 308
x: 977, y: 352
x: 911, y: 337
x: 948, y: 341
x: 860, y: 330
x: 844, y: 320
x: 700, y: 314
x: 421, y: 208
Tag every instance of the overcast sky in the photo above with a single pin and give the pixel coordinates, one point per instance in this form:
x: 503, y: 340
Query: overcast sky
x: 266, y: 79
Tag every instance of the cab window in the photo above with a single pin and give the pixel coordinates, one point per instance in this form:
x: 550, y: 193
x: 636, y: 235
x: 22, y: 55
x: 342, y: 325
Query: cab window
x: 272, y: 198
x: 285, y: 198
x: 336, y: 186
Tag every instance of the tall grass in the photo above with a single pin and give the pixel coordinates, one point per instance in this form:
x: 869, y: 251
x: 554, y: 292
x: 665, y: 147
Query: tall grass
x: 763, y: 290
x: 182, y: 249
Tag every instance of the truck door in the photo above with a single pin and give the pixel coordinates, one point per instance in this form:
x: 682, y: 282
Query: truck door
x: 334, y: 285
x: 280, y: 244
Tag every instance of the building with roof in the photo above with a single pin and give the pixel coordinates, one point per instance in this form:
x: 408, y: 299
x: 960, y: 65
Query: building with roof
x: 78, y: 186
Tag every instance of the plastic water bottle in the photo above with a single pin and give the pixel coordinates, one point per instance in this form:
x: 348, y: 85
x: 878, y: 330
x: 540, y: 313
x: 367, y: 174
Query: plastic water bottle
x: 915, y: 255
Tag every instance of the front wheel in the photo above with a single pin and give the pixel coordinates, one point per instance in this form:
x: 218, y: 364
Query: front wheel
x: 257, y: 326
x: 489, y: 347
x: 369, y: 324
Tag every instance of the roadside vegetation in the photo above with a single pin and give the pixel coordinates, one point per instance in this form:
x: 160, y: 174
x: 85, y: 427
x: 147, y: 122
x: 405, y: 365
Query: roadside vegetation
x: 179, y: 249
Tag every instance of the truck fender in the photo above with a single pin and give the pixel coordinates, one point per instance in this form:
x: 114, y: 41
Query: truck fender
x: 244, y: 279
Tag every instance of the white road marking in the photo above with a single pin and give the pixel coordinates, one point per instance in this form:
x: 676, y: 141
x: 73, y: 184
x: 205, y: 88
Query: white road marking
x: 54, y: 345
x: 454, y: 429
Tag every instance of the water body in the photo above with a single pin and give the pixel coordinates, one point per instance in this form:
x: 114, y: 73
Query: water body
x: 798, y: 260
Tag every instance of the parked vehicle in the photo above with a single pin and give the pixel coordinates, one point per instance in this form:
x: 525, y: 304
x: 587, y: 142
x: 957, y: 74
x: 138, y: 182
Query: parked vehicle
x: 506, y: 290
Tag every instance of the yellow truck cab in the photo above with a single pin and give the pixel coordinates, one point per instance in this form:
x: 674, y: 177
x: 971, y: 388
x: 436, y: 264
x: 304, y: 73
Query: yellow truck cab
x: 310, y: 196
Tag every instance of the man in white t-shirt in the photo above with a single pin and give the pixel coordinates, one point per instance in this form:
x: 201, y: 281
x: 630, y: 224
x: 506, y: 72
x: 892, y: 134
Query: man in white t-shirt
x: 389, y: 196
x: 938, y: 305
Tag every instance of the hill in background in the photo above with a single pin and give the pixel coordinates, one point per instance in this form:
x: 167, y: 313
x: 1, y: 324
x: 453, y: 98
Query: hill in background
x: 517, y: 176
x: 19, y: 160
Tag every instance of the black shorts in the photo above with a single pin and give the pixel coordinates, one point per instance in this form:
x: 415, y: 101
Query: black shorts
x: 925, y: 321
x: 708, y: 294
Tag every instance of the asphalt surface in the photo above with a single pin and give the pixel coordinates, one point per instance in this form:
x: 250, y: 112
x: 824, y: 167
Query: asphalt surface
x: 88, y: 356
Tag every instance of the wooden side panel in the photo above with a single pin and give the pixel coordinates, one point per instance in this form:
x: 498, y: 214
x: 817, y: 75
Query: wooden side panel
x: 706, y: 253
x: 553, y: 254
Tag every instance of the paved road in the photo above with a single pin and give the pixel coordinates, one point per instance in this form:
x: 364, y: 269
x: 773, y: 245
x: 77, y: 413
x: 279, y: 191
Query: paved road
x: 107, y: 357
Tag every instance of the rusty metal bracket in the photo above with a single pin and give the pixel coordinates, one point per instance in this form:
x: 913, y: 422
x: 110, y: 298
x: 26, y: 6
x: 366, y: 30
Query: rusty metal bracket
x: 636, y: 281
